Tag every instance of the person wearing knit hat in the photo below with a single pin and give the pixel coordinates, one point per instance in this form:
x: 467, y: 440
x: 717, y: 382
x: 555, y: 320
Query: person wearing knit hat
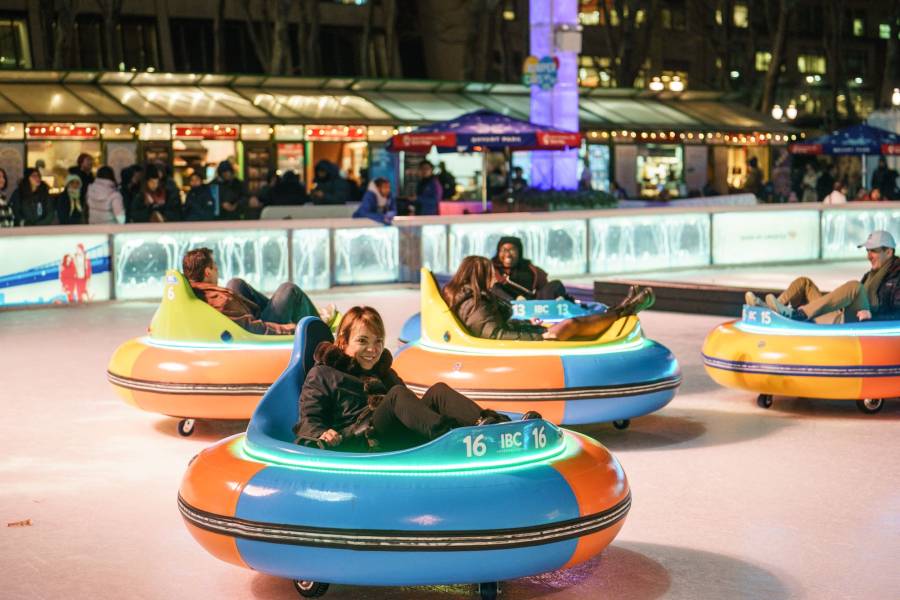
x: 517, y: 277
x: 69, y: 204
x: 876, y: 296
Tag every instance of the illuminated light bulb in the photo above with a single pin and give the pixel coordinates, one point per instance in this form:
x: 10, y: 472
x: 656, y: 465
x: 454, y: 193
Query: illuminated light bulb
x: 691, y: 136
x: 653, y: 135
x: 702, y: 136
x: 187, y: 132
x: 791, y: 112
x: 634, y: 134
x: 132, y: 129
x: 676, y: 85
x: 895, y: 97
x: 643, y: 135
x: 777, y: 112
x: 118, y: 130
x: 656, y: 85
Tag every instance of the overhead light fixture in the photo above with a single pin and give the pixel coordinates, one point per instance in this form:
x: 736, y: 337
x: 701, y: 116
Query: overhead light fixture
x: 676, y: 85
x: 895, y: 97
x: 735, y: 74
x: 777, y: 112
x: 656, y: 85
x: 791, y: 112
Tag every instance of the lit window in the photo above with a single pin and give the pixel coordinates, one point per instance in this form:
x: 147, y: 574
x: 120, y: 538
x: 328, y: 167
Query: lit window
x: 639, y: 17
x: 741, y: 15
x: 718, y: 16
x: 811, y: 63
x: 859, y: 28
x: 14, y: 46
x: 589, y: 18
x: 884, y: 31
x: 763, y: 59
x: 509, y: 15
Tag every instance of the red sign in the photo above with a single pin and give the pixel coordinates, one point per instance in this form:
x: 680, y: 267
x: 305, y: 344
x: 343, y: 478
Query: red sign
x: 805, y: 148
x: 62, y: 131
x: 205, y: 132
x: 890, y: 148
x: 335, y: 132
x: 424, y: 141
x: 558, y: 139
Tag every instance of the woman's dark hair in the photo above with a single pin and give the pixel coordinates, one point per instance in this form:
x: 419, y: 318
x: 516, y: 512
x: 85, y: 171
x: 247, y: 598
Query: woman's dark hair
x: 475, y: 273
x: 380, y: 181
x: 365, y: 314
x: 81, y: 158
x: 106, y: 172
x: 5, y: 180
x: 151, y: 172
x: 195, y: 263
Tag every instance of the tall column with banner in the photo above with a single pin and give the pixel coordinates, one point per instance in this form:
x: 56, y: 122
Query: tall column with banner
x: 552, y: 72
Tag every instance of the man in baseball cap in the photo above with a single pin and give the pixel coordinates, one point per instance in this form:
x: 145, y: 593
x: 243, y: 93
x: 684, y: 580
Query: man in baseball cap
x: 875, y: 296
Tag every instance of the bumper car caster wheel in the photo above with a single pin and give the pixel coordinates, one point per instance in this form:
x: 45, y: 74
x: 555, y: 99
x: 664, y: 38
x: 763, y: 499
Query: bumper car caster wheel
x: 764, y: 400
x: 186, y: 427
x: 489, y: 591
x: 870, y: 406
x: 622, y: 424
x: 310, y: 589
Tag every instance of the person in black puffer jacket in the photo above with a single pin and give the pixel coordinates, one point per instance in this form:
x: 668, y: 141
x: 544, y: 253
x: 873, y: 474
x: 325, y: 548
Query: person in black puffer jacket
x: 353, y: 400
x: 486, y: 315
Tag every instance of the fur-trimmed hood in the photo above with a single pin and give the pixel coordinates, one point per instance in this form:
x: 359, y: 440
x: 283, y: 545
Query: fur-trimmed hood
x: 330, y: 355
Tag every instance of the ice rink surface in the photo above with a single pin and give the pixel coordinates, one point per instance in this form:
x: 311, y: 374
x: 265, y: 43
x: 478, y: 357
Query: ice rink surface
x: 730, y: 500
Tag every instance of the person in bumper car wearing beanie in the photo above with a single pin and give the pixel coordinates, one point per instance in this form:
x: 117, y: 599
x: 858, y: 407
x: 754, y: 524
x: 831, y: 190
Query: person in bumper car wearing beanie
x: 517, y: 277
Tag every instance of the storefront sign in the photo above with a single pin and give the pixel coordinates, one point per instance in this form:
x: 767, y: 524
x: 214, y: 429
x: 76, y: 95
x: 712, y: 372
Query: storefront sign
x: 559, y: 140
x: 54, y: 269
x: 69, y: 131
x: 205, y: 132
x: 423, y: 141
x: 337, y: 133
x: 542, y: 72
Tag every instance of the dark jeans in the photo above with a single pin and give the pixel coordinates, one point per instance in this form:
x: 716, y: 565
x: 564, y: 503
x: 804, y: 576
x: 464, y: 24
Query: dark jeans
x: 401, y: 420
x: 288, y: 304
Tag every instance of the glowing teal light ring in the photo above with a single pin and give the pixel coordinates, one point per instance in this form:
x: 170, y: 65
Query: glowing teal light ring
x: 848, y: 330
x: 608, y: 348
x: 243, y: 346
x: 355, y: 463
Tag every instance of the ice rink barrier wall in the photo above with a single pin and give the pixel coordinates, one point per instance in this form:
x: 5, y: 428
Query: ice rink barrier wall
x: 71, y: 264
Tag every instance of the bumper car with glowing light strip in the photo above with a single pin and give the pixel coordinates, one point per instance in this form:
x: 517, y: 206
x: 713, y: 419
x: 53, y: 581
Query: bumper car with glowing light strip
x: 549, y: 311
x: 478, y: 505
x: 196, y: 363
x: 766, y: 353
x: 615, y: 377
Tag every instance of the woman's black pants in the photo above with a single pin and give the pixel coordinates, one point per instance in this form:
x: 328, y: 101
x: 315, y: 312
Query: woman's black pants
x: 402, y: 420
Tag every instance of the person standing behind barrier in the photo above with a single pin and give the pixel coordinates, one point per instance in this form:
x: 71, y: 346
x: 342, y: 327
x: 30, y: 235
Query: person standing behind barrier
x: 132, y: 179
x: 7, y: 217
x: 83, y: 168
x: 149, y: 204
x: 230, y: 193
x: 199, y: 204
x: 808, y: 184
x: 70, y: 203
x: 287, y: 192
x: 429, y: 192
x: 31, y: 202
x: 377, y: 203
x: 105, y: 204
x: 876, y: 296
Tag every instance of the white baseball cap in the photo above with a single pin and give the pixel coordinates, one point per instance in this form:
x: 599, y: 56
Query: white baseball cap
x: 879, y: 239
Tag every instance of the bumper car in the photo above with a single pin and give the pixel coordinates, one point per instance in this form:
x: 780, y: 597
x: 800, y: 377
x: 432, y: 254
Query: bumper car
x: 549, y: 311
x: 196, y: 363
x: 478, y: 505
x: 615, y: 377
x: 766, y: 353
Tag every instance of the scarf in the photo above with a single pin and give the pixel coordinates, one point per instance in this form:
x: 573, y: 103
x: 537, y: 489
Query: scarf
x: 873, y: 281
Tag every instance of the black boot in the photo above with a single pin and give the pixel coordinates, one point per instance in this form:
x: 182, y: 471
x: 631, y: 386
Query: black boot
x: 490, y: 417
x: 642, y: 301
x: 632, y: 292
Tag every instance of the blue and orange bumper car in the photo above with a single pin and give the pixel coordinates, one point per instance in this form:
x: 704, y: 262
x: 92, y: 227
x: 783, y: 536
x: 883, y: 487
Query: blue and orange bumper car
x: 196, y: 363
x: 478, y: 505
x: 766, y: 353
x: 616, y: 377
